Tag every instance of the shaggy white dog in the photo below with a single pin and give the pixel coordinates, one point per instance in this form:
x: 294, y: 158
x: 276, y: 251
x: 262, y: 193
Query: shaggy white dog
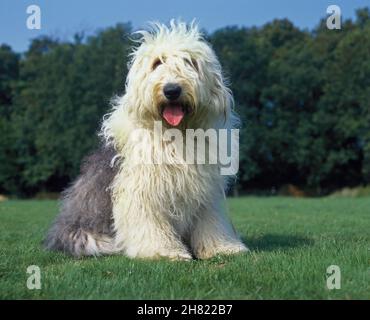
x: 139, y: 195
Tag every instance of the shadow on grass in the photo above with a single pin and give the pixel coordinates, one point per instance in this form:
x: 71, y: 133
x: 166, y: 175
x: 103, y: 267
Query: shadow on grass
x: 272, y: 242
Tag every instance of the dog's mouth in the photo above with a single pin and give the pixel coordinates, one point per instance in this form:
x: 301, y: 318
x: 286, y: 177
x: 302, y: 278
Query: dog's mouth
x: 174, y: 112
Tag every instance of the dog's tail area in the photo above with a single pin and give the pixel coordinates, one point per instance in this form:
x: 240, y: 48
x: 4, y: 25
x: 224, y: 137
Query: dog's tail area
x: 79, y: 242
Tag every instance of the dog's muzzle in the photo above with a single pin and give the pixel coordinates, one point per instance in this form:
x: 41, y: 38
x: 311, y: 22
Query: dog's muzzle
x: 173, y: 110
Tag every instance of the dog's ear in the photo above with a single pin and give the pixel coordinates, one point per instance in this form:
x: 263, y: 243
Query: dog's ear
x: 222, y: 98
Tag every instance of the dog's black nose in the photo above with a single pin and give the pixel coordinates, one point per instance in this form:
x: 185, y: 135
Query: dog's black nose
x: 172, y: 91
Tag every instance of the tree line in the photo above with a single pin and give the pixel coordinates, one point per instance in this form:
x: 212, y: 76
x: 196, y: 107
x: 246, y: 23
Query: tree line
x: 303, y: 97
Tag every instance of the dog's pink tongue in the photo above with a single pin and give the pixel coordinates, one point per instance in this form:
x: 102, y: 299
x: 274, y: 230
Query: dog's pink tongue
x: 173, y: 114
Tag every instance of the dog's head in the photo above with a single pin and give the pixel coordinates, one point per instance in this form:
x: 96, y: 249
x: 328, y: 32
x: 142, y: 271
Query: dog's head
x: 175, y: 76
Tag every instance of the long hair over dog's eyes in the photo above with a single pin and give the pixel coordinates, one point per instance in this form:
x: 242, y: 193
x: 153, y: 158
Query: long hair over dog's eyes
x: 156, y: 63
x: 193, y: 63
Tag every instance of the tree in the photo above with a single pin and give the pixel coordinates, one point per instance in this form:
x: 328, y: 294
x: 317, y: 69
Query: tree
x: 64, y: 90
x: 9, y: 69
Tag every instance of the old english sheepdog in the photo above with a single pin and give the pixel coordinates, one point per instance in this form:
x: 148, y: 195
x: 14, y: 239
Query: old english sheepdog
x: 139, y: 194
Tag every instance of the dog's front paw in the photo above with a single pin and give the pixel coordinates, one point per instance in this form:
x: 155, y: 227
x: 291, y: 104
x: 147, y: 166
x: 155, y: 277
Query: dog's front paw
x: 172, y: 255
x: 183, y: 256
x: 221, y: 249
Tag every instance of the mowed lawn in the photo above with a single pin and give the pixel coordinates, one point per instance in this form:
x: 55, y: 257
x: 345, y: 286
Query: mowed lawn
x: 292, y: 243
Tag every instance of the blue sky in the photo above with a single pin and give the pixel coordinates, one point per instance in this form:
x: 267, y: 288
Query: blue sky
x: 62, y: 18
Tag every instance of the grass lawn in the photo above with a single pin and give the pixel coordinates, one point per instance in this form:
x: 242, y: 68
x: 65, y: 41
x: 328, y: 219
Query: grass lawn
x: 293, y: 241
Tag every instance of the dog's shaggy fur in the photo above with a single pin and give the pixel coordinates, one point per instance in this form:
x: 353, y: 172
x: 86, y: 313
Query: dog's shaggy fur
x: 121, y: 204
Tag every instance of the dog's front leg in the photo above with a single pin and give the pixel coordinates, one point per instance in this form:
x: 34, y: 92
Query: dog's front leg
x: 213, y: 234
x: 144, y: 234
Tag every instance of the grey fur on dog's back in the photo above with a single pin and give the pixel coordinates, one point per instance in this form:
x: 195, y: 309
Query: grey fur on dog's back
x: 85, y: 220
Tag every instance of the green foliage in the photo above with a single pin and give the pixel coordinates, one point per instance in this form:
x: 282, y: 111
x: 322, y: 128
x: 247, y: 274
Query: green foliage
x: 62, y: 92
x: 303, y: 98
x: 9, y: 73
x: 304, y: 101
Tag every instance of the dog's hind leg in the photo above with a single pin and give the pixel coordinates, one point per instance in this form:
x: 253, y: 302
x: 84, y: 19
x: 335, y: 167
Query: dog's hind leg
x: 79, y: 242
x: 84, y: 225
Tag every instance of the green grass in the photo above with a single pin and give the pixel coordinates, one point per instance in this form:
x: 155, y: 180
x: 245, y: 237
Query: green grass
x: 293, y: 241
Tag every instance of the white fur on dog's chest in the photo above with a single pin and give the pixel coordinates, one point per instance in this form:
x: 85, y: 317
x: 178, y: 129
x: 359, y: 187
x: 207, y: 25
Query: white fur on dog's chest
x: 177, y: 191
x: 165, y: 193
